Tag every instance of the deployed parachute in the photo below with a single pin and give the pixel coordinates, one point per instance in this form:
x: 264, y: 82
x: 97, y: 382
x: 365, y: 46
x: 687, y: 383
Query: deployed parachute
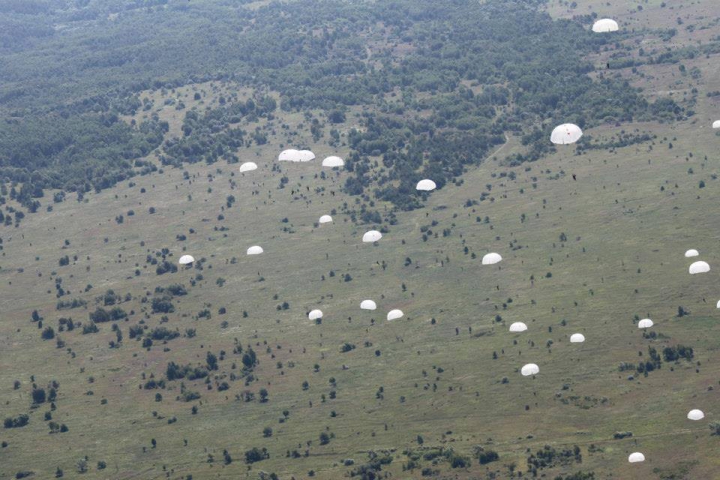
x: 691, y: 253
x: 305, y: 156
x: 699, y: 267
x: 718, y: 304
x: 577, y: 338
x: 255, y: 250
x: 333, y: 161
x: 426, y: 185
x: 315, y: 314
x: 326, y: 219
x: 530, y: 369
x: 372, y: 236
x: 248, y: 167
x: 645, y: 323
x: 716, y: 124
x: 290, y: 155
x: 186, y: 260
x: 518, y: 327
x: 368, y: 305
x: 636, y: 457
x: 566, y: 134
x: 605, y: 25
x: 394, y: 314
x: 695, y: 415
x: 491, y: 259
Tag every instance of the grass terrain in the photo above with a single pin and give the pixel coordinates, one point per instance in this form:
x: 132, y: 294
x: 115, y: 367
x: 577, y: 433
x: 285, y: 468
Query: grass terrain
x: 623, y: 257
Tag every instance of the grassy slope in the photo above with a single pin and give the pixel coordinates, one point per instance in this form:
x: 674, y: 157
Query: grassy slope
x: 624, y: 222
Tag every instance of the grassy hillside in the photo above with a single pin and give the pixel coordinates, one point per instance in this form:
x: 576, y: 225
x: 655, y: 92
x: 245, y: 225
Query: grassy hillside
x: 427, y: 395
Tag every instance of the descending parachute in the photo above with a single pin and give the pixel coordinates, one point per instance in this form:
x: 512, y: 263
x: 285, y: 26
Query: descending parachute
x: 372, y: 236
x: 566, y: 134
x: 290, y: 155
x: 326, y: 219
x: 491, y: 259
x: 605, y: 25
x: 333, y: 161
x: 718, y: 304
x: 394, y: 314
x: 248, y: 167
x: 255, y: 250
x: 636, y: 457
x: 691, y: 253
x: 426, y: 185
x: 186, y: 260
x: 368, y: 305
x: 530, y: 369
x: 716, y: 124
x: 645, y: 323
x: 699, y: 267
x: 695, y: 415
x: 518, y: 327
x: 577, y: 338
x: 315, y: 314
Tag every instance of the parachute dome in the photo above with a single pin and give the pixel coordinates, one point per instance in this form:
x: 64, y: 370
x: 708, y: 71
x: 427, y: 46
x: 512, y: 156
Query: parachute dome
x: 518, y: 327
x: 186, y: 259
x: 306, y: 155
x: 333, y: 162
x: 290, y: 155
x: 691, y: 253
x: 645, y: 323
x: 315, y: 314
x: 248, y: 167
x: 695, y: 415
x: 577, y: 338
x: 325, y: 219
x: 368, y: 305
x: 255, y: 250
x: 394, y: 314
x: 372, y: 236
x: 426, y: 185
x: 699, y: 267
x: 491, y: 259
x: 566, y: 134
x: 718, y: 304
x: 636, y: 457
x: 716, y: 124
x: 605, y: 25
x: 530, y: 369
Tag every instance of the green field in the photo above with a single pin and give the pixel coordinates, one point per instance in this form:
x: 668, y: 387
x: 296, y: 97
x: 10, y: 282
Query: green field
x: 587, y: 256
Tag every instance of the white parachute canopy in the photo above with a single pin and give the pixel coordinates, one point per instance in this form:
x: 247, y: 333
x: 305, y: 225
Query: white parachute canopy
x: 699, y: 267
x: 577, y: 338
x: 718, y: 304
x: 186, y: 260
x: 636, y: 457
x: 315, y: 314
x: 691, y: 253
x: 333, y: 161
x: 306, y: 156
x: 372, y: 236
x: 530, y: 369
x: 248, y: 167
x: 695, y: 415
x: 605, y: 25
x: 290, y: 155
x: 491, y: 259
x: 716, y: 124
x: 394, y: 314
x: 645, y: 323
x: 426, y: 185
x: 566, y: 134
x: 255, y: 250
x: 368, y: 305
x: 518, y: 327
x: 326, y: 219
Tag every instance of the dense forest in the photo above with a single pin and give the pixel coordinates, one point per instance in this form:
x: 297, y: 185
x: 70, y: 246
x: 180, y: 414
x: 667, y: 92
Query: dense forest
x: 443, y: 85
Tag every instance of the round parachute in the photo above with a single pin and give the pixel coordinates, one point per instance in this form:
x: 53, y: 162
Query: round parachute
x: 518, y: 327
x: 248, y: 167
x: 716, y: 124
x: 315, y: 314
x: 426, y: 185
x: 290, y: 155
x: 325, y: 219
x: 372, y: 236
x: 577, y: 338
x: 605, y: 25
x: 333, y: 161
x: 530, y: 369
x: 636, y: 457
x: 306, y: 156
x: 394, y: 314
x: 255, y: 250
x: 186, y: 260
x: 368, y: 305
x: 491, y: 259
x: 699, y: 267
x: 566, y: 134
x: 645, y: 323
x: 691, y: 253
x: 695, y: 415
